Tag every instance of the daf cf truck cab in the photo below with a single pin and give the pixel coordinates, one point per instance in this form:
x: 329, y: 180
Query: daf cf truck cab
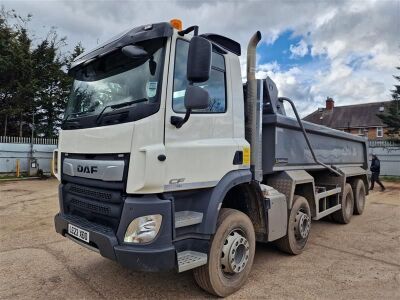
x: 167, y: 161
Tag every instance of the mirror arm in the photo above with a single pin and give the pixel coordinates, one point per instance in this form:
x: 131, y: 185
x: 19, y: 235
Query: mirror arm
x: 179, y: 121
x: 188, y: 30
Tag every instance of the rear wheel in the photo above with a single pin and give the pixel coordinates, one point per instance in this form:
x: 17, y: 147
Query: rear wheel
x: 359, y: 196
x: 344, y: 214
x: 299, y: 225
x: 231, y: 254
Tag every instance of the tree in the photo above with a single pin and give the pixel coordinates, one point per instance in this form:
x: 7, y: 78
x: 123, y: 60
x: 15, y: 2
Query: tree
x: 391, y: 116
x: 33, y: 78
x: 15, y: 71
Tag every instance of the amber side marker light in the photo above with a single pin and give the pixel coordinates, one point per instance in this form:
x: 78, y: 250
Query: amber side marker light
x: 176, y: 23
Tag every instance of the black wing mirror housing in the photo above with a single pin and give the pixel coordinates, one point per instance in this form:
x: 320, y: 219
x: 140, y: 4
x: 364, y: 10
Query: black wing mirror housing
x: 199, y: 60
x: 195, y: 98
x: 198, y: 70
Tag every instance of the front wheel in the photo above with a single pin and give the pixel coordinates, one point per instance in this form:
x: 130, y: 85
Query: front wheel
x: 231, y: 254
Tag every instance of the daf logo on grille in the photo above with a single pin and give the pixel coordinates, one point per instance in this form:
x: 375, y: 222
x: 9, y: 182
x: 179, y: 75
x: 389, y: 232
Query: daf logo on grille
x: 87, y: 169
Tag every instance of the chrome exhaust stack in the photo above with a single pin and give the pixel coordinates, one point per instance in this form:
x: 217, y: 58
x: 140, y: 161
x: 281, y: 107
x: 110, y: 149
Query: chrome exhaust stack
x: 253, y: 127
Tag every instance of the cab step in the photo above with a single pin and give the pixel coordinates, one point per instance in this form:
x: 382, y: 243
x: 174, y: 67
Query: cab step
x: 188, y: 260
x: 187, y: 218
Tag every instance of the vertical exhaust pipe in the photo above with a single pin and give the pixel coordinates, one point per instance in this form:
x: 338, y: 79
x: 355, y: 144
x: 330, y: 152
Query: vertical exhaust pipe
x: 251, y: 109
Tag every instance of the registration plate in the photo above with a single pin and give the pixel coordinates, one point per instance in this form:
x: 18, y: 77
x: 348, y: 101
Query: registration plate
x: 78, y: 233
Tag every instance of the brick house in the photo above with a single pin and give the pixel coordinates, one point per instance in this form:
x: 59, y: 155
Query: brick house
x: 358, y: 119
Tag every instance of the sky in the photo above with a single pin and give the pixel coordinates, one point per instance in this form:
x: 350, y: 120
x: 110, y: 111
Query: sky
x: 347, y: 50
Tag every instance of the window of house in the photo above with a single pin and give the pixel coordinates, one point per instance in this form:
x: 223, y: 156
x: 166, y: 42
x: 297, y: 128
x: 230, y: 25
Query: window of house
x: 379, y: 132
x: 215, y: 85
x: 363, y: 131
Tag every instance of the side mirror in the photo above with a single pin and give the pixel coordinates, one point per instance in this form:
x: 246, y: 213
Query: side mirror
x: 198, y: 70
x: 134, y: 52
x: 196, y: 98
x: 199, y: 60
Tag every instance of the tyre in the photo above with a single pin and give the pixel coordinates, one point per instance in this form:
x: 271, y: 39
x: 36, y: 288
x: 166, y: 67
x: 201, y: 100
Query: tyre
x: 359, y: 196
x: 299, y: 225
x: 231, y: 254
x: 343, y: 215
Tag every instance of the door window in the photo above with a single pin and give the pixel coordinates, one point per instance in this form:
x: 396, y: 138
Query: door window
x: 215, y: 85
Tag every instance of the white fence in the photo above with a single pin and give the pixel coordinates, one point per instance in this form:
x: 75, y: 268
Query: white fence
x: 21, y: 148
x: 27, y: 140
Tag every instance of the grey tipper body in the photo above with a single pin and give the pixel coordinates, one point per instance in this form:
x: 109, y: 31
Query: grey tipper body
x: 167, y: 162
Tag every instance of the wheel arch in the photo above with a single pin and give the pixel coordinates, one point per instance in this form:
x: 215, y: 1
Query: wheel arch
x: 294, y: 182
x: 218, y: 194
x: 248, y: 198
x: 306, y: 190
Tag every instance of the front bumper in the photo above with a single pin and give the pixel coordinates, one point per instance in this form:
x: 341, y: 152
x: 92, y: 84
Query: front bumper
x: 159, y: 255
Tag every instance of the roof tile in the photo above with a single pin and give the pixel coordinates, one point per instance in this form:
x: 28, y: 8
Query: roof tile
x: 349, y: 116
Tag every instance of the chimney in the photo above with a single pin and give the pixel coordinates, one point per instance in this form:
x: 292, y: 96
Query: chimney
x: 329, y: 103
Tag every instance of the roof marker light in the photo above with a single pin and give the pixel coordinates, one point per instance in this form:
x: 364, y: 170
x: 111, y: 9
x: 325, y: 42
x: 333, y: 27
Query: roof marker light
x: 176, y: 23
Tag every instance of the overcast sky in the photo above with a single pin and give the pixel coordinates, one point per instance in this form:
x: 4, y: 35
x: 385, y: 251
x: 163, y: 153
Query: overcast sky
x: 347, y: 50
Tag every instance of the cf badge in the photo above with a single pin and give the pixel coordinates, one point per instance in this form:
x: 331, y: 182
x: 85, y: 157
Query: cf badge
x: 176, y: 180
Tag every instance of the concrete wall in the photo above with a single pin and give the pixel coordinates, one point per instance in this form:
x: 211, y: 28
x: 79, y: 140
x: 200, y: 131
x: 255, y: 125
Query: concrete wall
x: 20, y: 148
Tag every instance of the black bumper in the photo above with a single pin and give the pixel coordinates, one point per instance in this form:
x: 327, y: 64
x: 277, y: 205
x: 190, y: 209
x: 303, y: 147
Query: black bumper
x: 160, y: 255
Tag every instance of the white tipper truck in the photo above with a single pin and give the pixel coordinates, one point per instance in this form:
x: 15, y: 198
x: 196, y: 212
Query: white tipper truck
x: 166, y: 160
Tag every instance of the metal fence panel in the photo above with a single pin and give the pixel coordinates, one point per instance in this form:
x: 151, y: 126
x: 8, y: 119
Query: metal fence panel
x: 13, y: 148
x: 388, y: 153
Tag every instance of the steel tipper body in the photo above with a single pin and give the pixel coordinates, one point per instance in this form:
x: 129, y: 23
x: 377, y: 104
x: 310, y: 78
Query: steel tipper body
x: 164, y: 163
x: 284, y: 146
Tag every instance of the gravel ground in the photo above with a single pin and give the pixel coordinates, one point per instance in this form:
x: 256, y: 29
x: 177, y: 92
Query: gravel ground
x: 360, y: 260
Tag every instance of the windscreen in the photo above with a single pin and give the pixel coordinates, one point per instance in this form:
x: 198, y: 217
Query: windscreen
x: 116, y: 79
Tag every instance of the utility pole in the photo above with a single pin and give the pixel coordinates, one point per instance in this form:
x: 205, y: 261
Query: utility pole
x: 31, y: 152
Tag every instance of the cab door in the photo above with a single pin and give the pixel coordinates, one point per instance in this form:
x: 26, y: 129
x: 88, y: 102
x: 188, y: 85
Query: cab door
x: 201, y: 152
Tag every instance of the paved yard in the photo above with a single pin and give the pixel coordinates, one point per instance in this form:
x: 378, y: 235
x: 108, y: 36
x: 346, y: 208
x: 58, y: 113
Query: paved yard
x: 359, y: 260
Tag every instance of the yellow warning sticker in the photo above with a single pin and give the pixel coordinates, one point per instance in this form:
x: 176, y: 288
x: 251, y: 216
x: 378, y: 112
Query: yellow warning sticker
x: 246, y: 155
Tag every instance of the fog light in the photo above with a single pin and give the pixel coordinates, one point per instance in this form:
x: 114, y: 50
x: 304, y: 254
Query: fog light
x: 143, y: 229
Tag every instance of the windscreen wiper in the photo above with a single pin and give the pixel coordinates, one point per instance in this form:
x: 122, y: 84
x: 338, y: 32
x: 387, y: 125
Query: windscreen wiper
x: 76, y: 114
x: 119, y: 105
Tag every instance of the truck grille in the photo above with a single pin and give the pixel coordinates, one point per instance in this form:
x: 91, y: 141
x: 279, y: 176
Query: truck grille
x: 97, y: 205
x: 97, y: 208
x: 84, y: 191
x: 97, y: 201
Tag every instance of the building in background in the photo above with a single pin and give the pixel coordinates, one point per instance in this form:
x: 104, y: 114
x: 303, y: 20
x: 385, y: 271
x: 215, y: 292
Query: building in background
x: 358, y: 119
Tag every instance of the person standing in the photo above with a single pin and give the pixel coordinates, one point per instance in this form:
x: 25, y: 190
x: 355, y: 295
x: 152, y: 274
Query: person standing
x: 375, y: 169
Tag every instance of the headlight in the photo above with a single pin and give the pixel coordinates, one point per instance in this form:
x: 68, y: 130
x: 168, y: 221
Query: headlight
x: 143, y: 229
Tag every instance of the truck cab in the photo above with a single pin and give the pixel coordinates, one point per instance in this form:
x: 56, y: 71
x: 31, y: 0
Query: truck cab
x: 154, y: 159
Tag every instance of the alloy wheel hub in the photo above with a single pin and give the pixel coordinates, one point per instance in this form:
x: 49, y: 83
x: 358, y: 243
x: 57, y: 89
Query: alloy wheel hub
x: 235, y: 253
x: 302, y: 225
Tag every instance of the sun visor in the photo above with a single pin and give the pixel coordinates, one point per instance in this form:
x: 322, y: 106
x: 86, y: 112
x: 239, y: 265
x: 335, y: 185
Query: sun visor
x: 224, y: 42
x: 131, y: 36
